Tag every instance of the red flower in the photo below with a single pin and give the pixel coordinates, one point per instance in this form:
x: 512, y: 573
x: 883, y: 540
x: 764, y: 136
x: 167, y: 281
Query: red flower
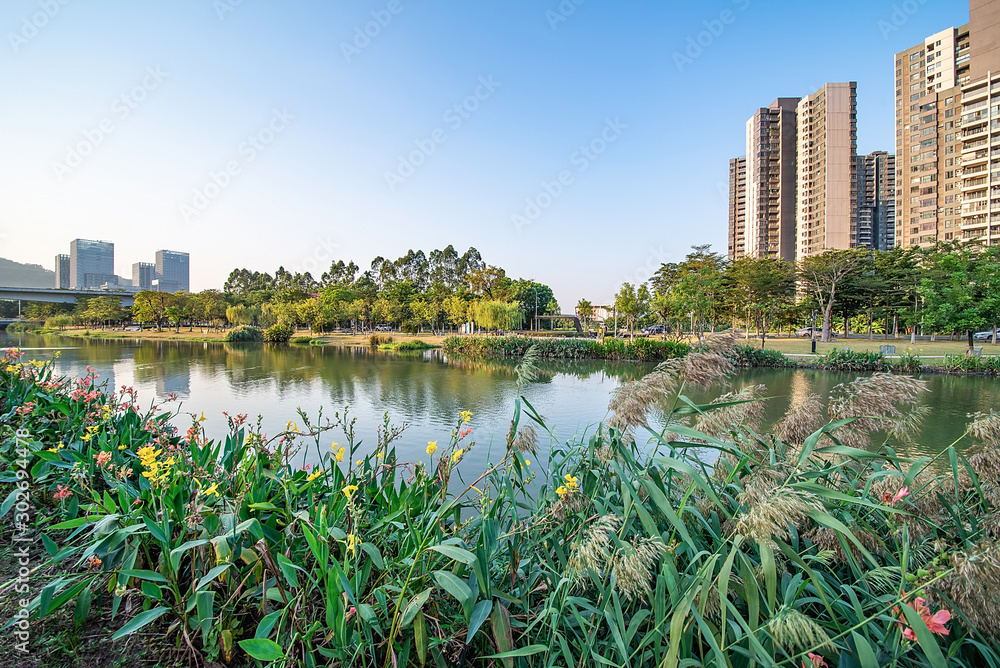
x: 935, y: 623
x: 817, y: 661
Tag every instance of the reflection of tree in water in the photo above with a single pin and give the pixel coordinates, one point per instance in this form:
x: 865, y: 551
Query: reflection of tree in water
x: 167, y: 364
x: 549, y: 368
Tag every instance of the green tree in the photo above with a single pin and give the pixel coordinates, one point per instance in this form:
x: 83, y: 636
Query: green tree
x: 762, y: 288
x: 585, y: 311
x: 822, y: 274
x: 632, y: 303
x: 152, y: 306
x: 962, y: 292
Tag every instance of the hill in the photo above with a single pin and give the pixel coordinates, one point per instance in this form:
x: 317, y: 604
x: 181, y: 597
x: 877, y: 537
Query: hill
x: 17, y: 275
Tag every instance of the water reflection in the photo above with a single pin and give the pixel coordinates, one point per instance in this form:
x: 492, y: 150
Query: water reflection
x: 429, y: 389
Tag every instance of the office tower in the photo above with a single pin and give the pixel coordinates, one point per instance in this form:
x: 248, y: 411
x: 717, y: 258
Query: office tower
x: 143, y: 274
x: 826, y: 200
x: 737, y: 207
x: 92, y: 264
x: 172, y: 271
x: 876, y: 193
x: 770, y: 181
x: 63, y: 275
x: 928, y: 137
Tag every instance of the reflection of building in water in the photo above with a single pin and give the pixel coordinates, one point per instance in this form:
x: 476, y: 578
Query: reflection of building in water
x: 799, y: 388
x: 177, y: 381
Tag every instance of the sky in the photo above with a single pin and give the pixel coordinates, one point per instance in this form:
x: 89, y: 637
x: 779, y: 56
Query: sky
x: 579, y: 143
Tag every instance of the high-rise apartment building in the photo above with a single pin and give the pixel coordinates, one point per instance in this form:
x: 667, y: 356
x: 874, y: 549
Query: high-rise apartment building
x: 63, y: 275
x: 929, y: 76
x: 172, y: 271
x: 826, y: 199
x: 876, y: 193
x: 769, y: 230
x: 980, y: 188
x: 737, y: 207
x: 143, y: 274
x: 92, y: 264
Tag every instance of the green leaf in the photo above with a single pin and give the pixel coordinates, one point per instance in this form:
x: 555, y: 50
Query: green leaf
x: 178, y: 552
x: 262, y: 649
x: 374, y: 553
x: 457, y: 588
x: 530, y: 650
x: 143, y: 575
x: 140, y: 620
x: 82, y: 609
x: 925, y: 638
x: 414, y: 606
x: 479, y: 615
x: 266, y: 624
x: 211, y: 575
x: 456, y: 553
x: 500, y: 619
x: 420, y: 636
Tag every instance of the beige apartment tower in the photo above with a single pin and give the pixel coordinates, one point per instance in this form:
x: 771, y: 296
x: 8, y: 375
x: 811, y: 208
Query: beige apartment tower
x: 770, y: 181
x: 737, y: 208
x: 826, y: 189
x: 929, y: 76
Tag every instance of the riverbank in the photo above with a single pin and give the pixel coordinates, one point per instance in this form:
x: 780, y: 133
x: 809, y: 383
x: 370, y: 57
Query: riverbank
x: 218, y: 550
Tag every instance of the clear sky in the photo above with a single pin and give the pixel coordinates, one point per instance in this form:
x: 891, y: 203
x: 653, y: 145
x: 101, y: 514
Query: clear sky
x: 115, y: 115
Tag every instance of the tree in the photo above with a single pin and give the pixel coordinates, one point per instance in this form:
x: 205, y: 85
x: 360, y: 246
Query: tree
x: 152, y: 306
x: 822, y: 274
x: 762, y: 286
x: 456, y: 310
x: 585, y: 311
x: 632, y: 303
x: 962, y: 292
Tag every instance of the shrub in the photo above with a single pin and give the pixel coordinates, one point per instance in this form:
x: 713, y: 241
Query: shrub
x: 853, y: 360
x: 302, y: 339
x: 278, y: 333
x: 23, y: 327
x: 910, y: 363
x: 403, y: 346
x: 244, y: 334
x: 642, y: 349
x: 378, y: 340
x: 971, y: 364
x: 749, y: 357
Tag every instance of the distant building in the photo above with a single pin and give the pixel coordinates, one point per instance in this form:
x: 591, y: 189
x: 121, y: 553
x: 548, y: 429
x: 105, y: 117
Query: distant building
x: 143, y: 275
x: 737, y: 208
x: 92, y: 264
x: 826, y: 204
x: 63, y: 276
x: 770, y: 180
x: 876, y: 188
x: 173, y: 271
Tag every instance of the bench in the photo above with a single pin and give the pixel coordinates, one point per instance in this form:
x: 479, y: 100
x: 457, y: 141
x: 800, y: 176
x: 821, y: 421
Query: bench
x: 887, y: 350
x: 977, y: 352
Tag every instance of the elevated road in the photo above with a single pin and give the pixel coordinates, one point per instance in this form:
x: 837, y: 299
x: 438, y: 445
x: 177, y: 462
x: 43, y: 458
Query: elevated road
x: 57, y: 296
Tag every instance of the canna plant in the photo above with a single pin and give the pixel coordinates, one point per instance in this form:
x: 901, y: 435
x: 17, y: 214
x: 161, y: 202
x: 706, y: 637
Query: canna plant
x: 646, y: 542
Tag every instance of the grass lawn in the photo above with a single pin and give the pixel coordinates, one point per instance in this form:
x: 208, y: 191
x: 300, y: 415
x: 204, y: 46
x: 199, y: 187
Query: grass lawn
x: 922, y: 348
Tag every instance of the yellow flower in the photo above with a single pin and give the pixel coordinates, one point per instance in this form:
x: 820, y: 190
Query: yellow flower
x: 121, y: 447
x: 562, y: 491
x: 455, y: 456
x: 571, y: 481
x: 291, y: 426
x: 352, y: 542
x: 315, y: 474
x: 202, y: 418
x: 527, y: 462
x: 213, y: 489
x: 358, y: 463
x: 432, y: 447
x: 465, y: 416
x: 381, y: 455
x: 338, y: 454
x: 350, y: 490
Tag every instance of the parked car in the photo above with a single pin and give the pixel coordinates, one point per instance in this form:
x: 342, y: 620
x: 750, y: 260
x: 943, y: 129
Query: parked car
x: 132, y: 328
x: 383, y: 328
x: 808, y: 331
x: 984, y: 336
x: 656, y: 329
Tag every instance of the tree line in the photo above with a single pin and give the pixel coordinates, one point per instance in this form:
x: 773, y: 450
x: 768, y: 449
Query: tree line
x: 949, y: 289
x: 441, y: 290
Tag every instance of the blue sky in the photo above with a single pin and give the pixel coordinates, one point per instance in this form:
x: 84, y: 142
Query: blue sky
x: 578, y: 143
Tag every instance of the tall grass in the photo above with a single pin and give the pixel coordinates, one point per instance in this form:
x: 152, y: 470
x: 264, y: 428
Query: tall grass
x: 633, y: 548
x: 641, y: 349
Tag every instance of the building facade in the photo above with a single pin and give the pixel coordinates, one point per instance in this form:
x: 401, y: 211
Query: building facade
x: 92, y: 264
x: 980, y: 221
x: 173, y: 271
x: 769, y: 229
x: 928, y: 78
x: 143, y: 274
x: 737, y: 208
x: 876, y: 193
x: 63, y: 276
x: 826, y: 199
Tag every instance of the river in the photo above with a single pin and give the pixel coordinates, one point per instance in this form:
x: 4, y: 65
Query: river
x: 428, y: 390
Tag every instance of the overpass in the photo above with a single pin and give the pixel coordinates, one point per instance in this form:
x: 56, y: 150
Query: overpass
x: 57, y: 296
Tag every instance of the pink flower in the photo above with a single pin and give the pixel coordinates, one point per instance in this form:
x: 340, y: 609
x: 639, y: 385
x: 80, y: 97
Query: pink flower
x: 899, y: 496
x: 817, y: 661
x: 464, y: 432
x: 103, y: 458
x: 62, y: 493
x: 935, y: 623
